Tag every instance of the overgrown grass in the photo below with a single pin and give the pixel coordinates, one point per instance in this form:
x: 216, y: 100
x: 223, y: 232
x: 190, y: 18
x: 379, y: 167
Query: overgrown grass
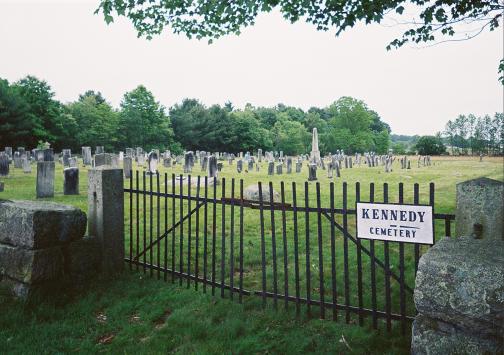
x: 171, y: 318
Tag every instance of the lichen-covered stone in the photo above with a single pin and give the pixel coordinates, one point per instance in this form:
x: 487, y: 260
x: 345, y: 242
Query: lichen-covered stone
x: 460, y: 281
x: 480, y: 201
x: 436, y: 337
x: 36, y: 225
x: 31, y: 266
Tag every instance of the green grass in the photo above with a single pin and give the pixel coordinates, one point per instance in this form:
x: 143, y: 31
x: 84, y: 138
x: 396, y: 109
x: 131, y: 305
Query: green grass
x: 202, y: 323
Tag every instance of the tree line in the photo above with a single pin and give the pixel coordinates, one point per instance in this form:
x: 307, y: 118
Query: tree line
x: 30, y: 115
x: 469, y: 134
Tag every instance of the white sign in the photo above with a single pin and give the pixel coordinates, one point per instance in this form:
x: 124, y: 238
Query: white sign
x: 398, y: 223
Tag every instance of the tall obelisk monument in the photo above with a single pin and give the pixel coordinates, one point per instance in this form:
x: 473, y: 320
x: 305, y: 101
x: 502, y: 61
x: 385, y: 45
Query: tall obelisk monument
x: 315, y: 153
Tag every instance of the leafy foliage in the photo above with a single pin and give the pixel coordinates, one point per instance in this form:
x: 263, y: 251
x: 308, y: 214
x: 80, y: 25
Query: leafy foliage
x: 213, y: 19
x: 143, y: 121
x: 430, y: 145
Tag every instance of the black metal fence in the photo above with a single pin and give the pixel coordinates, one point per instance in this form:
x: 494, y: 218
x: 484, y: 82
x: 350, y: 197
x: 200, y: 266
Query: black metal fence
x: 298, y: 250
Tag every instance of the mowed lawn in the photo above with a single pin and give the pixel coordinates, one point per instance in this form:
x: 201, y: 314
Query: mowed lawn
x: 136, y: 313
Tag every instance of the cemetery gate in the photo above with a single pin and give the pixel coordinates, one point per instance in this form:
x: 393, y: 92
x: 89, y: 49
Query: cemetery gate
x: 298, y: 251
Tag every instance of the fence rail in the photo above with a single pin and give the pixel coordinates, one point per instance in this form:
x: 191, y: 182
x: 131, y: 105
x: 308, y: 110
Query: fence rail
x: 297, y: 250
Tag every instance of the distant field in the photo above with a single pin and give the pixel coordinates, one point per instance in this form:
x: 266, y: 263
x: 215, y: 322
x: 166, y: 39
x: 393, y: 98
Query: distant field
x: 244, y: 328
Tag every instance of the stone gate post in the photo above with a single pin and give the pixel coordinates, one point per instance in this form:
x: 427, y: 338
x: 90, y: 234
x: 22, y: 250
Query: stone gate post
x: 459, y: 287
x: 106, y: 215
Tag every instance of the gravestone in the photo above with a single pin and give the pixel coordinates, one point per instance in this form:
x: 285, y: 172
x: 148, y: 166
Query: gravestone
x: 26, y: 166
x: 86, y: 156
x: 188, y: 162
x: 72, y: 162
x: 66, y: 155
x: 139, y: 152
x: 4, y: 164
x: 299, y: 165
x: 18, y: 163
x: 48, y: 154
x: 259, y: 155
x: 99, y: 150
x: 103, y: 159
x: 219, y: 166
x: 239, y: 165
x: 271, y: 168
x: 212, y: 167
x: 1, y: 186
x: 127, y: 167
x: 152, y: 162
x: 141, y: 159
x: 167, y: 162
x: 312, y: 172
x: 279, y: 168
x: 250, y: 165
x: 71, y: 181
x: 8, y: 151
x: 204, y: 163
x: 289, y: 165
x: 45, y: 179
x: 129, y: 152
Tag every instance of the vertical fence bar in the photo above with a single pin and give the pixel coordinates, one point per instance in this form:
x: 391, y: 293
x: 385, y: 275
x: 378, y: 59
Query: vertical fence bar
x: 416, y: 201
x: 137, y: 201
x: 320, y: 253
x: 231, y: 242
x: 345, y: 252
x: 333, y: 254
x: 181, y: 236
x: 131, y: 221
x: 151, y: 270
x: 273, y: 247
x: 144, y: 224
x: 189, y: 231
x: 214, y: 236
x: 373, y: 266
x: 158, y: 228
x: 173, y: 230
x: 307, y: 232
x: 388, y: 303
x: 263, y: 246
x: 241, y: 241
x: 447, y: 225
x: 431, y: 203
x: 401, y: 271
x: 166, y: 225
x: 205, y: 238
x: 284, y: 239
x: 359, y: 264
x: 223, y: 238
x: 296, y: 249
x: 196, y: 263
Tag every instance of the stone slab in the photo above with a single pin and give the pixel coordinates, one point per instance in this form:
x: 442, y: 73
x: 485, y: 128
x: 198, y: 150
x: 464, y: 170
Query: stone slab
x: 36, y: 224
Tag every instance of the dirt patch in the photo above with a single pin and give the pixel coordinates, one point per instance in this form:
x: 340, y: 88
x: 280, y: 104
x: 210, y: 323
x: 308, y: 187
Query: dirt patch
x: 160, y: 321
x: 106, y: 339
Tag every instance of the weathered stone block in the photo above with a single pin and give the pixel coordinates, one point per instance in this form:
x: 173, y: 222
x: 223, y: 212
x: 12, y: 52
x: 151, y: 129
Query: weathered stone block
x: 31, y: 266
x: 36, y: 225
x: 436, y: 337
x: 461, y: 281
x: 106, y: 215
x: 480, y: 201
x: 82, y: 258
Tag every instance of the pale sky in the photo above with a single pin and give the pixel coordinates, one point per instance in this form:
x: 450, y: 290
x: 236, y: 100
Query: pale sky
x: 415, y: 90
